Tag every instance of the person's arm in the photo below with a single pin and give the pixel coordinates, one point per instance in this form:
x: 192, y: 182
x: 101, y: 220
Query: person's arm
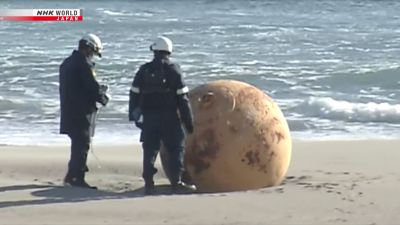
x: 134, y: 95
x: 184, y: 107
x: 94, y: 90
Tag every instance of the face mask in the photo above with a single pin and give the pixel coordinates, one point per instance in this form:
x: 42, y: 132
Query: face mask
x: 90, y: 58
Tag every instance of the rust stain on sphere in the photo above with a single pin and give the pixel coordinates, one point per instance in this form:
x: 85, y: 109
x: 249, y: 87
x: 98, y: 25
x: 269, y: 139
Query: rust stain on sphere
x: 241, y: 139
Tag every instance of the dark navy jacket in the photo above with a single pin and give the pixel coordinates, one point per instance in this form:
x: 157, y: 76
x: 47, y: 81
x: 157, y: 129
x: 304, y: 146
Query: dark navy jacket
x: 79, y: 92
x: 158, y: 87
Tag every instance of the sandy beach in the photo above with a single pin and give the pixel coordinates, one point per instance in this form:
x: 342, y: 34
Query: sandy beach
x: 329, y: 182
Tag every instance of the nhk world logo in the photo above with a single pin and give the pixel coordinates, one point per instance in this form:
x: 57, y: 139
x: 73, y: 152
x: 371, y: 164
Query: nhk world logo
x: 41, y: 15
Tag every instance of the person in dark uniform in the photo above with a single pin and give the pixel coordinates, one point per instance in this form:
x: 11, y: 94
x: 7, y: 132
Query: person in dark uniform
x: 159, y: 104
x: 79, y: 92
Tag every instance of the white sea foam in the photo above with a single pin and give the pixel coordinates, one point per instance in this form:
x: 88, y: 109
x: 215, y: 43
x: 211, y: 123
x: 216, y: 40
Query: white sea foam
x: 332, y: 109
x: 117, y: 13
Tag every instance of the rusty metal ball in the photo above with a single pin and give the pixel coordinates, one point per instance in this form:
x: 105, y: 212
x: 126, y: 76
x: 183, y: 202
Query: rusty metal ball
x: 241, y: 139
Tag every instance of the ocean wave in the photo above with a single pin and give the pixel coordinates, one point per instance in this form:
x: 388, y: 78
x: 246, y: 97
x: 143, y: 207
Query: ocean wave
x: 329, y: 108
x: 117, y: 13
x: 19, y: 106
x: 15, y: 80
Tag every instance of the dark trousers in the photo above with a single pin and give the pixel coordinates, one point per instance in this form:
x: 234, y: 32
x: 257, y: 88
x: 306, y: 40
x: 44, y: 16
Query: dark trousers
x: 165, y: 127
x: 80, y: 144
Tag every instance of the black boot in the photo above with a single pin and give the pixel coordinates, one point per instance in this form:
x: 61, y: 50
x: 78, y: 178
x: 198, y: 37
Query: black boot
x: 178, y: 186
x: 149, y: 188
x: 77, y: 181
x: 182, y: 187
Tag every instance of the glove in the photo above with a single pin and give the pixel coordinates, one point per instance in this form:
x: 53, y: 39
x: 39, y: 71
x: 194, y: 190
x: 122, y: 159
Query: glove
x: 139, y: 125
x: 103, y: 88
x: 106, y: 99
x: 136, y: 115
x: 189, y: 128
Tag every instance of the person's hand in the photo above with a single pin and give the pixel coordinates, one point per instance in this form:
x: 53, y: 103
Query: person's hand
x: 105, y: 100
x: 139, y: 125
x: 104, y: 88
x: 136, y: 115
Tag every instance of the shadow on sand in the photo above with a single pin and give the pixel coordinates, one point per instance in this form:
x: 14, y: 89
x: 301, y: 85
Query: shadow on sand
x: 51, y: 194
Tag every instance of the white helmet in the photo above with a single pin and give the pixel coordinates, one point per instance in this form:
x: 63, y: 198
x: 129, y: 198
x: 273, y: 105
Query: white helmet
x: 162, y: 44
x: 94, y: 42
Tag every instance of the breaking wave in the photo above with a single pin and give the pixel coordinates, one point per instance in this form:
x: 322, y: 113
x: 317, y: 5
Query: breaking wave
x: 329, y: 108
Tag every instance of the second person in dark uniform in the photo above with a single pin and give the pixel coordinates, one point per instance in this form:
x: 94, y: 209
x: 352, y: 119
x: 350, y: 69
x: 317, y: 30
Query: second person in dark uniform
x: 159, y: 104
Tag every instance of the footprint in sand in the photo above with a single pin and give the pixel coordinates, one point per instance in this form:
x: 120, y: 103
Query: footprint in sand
x: 294, y: 179
x: 343, y: 211
x: 338, y: 220
x: 337, y: 173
